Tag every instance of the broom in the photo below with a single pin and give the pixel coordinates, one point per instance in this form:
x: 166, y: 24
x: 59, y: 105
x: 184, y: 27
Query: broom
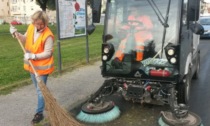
x: 56, y: 114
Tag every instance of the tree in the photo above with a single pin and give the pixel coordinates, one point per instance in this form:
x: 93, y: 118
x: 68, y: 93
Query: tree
x: 46, y: 4
x: 50, y: 4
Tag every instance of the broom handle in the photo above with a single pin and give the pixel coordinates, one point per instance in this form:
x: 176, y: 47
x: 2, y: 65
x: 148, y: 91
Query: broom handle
x: 21, y: 45
x: 32, y: 66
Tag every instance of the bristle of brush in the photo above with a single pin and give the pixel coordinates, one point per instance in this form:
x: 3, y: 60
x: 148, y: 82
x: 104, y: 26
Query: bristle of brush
x: 99, y: 118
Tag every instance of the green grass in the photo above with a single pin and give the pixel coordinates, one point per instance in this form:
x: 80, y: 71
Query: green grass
x: 73, y: 54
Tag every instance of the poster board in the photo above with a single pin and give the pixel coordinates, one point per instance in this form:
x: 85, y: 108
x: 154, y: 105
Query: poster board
x: 71, y: 18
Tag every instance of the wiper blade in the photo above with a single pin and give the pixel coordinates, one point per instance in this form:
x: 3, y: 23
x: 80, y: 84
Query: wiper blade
x: 162, y: 20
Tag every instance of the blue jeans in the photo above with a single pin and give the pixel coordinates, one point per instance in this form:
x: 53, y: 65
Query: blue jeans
x: 41, y: 104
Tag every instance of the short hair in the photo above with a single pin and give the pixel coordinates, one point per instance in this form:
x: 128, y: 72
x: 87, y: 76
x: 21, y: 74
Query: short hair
x: 40, y: 15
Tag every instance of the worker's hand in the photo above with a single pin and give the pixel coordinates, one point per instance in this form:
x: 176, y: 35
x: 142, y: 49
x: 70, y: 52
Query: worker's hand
x: 12, y: 30
x: 29, y: 56
x: 116, y: 63
x: 116, y: 59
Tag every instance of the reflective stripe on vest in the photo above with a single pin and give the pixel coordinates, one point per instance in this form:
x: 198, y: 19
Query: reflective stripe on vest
x: 139, y: 49
x: 120, y: 52
x: 140, y: 46
x: 42, y: 66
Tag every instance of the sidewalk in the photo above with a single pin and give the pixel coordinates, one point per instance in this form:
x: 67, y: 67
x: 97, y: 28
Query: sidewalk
x: 18, y: 108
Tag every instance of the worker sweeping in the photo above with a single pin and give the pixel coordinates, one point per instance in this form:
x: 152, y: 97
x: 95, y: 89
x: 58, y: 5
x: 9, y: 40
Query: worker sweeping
x: 38, y: 41
x: 134, y: 34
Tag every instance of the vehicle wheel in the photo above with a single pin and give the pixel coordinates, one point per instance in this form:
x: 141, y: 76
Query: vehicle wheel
x: 196, y: 74
x: 183, y: 89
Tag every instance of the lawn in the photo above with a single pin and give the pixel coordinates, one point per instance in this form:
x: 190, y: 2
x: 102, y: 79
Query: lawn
x: 73, y: 54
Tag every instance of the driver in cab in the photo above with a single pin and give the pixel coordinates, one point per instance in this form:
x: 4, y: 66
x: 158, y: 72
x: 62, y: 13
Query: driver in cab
x: 134, y: 34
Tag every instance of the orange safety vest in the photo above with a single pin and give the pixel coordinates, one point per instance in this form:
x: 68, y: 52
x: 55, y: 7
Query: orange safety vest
x: 42, y: 66
x: 140, y: 37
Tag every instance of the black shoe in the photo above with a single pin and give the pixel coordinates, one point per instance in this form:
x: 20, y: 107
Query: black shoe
x: 37, y: 118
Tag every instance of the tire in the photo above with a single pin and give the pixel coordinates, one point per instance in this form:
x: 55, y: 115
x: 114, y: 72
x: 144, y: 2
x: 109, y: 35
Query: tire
x: 196, y: 74
x: 183, y: 89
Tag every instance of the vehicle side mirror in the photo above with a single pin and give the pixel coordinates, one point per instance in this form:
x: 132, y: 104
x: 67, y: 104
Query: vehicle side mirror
x: 197, y: 28
x: 193, y: 10
x: 108, y: 37
x: 96, y: 10
x: 90, y: 29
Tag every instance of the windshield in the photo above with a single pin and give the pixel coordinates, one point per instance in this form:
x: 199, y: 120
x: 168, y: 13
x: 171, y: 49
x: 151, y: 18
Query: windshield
x: 139, y: 30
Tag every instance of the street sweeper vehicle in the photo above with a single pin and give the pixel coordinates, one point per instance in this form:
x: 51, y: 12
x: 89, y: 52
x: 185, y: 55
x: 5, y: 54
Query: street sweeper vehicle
x: 149, y: 54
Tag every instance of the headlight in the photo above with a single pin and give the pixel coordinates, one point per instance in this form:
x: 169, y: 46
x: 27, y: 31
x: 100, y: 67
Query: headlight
x: 104, y: 57
x: 171, y: 52
x: 173, y: 60
x: 106, y: 50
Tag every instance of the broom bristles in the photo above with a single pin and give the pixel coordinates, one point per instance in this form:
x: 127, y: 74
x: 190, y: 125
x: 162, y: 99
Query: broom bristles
x: 56, y: 114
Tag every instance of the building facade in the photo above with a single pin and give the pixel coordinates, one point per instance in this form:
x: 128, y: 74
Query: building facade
x: 205, y: 8
x: 4, y: 10
x: 21, y: 10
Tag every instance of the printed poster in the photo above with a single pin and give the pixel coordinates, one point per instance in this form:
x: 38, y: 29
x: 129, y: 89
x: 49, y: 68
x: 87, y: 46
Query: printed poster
x: 71, y: 16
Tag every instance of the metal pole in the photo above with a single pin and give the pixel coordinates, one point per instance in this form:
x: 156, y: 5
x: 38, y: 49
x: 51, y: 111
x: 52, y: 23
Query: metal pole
x: 59, y: 57
x: 87, y: 43
x: 87, y: 49
x: 58, y: 41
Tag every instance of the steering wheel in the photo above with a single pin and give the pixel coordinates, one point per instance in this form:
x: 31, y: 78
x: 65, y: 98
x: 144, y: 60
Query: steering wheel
x: 135, y: 24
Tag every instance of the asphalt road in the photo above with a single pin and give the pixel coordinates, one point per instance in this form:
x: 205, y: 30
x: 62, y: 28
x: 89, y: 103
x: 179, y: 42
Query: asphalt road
x: 200, y: 89
x: 70, y: 89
